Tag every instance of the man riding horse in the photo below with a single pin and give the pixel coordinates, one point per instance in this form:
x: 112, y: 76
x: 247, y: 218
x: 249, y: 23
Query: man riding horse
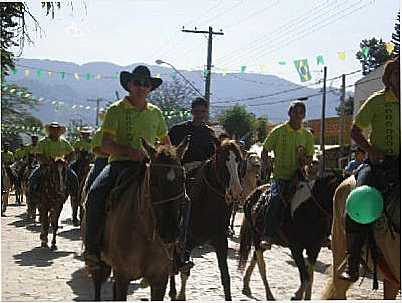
x: 126, y: 122
x: 286, y: 140
x: 380, y: 113
x: 201, y: 148
x: 50, y: 147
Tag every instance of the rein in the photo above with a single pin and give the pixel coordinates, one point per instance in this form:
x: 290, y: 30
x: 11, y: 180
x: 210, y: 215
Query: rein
x: 209, y: 185
x: 326, y: 213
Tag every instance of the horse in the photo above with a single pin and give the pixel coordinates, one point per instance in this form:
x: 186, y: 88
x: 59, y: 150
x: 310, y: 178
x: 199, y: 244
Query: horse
x: 389, y: 243
x: 249, y: 182
x: 17, y: 167
x: 81, y: 167
x: 51, y: 196
x: 142, y: 224
x: 212, y: 193
x: 30, y: 166
x: 6, y: 185
x: 305, y: 228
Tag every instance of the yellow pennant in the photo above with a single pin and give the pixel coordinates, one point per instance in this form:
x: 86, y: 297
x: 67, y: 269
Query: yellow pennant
x: 27, y: 72
x: 342, y: 56
x: 390, y: 47
x: 225, y: 71
x: 158, y: 76
x: 49, y: 74
x: 263, y: 67
x: 76, y: 76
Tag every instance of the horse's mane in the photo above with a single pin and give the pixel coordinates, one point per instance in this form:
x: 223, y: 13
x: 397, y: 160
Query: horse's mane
x: 228, y: 145
x: 166, y: 153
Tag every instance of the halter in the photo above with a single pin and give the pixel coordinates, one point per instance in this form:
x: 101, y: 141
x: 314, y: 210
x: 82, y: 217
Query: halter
x: 204, y: 178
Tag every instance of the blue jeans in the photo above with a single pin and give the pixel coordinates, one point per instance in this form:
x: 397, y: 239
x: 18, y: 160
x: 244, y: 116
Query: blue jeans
x: 96, y: 201
x: 275, y: 211
x: 34, y: 181
x: 99, y: 165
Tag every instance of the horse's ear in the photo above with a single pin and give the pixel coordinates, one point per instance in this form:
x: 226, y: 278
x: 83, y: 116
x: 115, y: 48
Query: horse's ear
x: 183, y: 146
x: 149, y: 148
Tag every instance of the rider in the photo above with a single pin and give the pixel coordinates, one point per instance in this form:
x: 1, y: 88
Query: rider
x: 20, y: 152
x: 31, y: 148
x: 7, y: 155
x: 101, y: 156
x: 126, y: 121
x: 84, y: 141
x: 50, y: 147
x: 285, y: 140
x: 201, y: 148
x: 381, y: 113
x: 360, y: 154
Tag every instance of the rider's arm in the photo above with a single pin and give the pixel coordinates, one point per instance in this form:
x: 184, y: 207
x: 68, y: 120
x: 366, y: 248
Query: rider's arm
x: 112, y: 148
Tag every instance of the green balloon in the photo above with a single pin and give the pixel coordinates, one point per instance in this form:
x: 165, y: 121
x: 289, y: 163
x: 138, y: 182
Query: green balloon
x: 364, y: 204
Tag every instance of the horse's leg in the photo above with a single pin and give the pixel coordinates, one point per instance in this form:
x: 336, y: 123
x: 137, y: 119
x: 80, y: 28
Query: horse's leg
x: 98, y: 287
x: 312, y: 255
x: 221, y: 248
x: 55, y: 224
x: 182, y: 294
x: 172, y: 290
x: 121, y: 287
x: 234, y: 211
x: 74, y: 207
x: 390, y: 291
x: 263, y: 273
x: 158, y: 289
x: 246, y: 279
x: 297, y: 254
x: 44, y: 222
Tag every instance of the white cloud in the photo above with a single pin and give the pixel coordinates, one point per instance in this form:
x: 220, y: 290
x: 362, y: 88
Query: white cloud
x: 74, y: 30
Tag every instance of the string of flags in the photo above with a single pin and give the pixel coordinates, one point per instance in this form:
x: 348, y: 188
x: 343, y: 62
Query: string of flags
x: 64, y: 106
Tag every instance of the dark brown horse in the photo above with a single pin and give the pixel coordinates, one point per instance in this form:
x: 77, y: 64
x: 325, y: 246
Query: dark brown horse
x: 214, y: 189
x: 51, y: 196
x: 81, y: 167
x: 306, y: 228
x: 142, y: 225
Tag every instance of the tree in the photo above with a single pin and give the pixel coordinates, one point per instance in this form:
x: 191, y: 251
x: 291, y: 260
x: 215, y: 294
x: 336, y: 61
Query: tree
x: 372, y: 54
x: 396, y: 36
x: 237, y: 121
x: 261, y: 129
x: 174, y: 99
x: 347, y: 107
x: 15, y: 17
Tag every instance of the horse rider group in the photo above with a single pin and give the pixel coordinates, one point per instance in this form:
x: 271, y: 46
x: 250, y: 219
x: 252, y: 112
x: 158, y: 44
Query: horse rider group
x: 118, y: 150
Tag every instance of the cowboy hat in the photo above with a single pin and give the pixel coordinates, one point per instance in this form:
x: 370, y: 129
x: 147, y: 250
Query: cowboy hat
x: 85, y: 130
x: 62, y: 129
x: 140, y: 73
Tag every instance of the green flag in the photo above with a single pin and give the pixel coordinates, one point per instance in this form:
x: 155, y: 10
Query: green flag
x: 303, y: 70
x: 365, y: 52
x: 320, y: 60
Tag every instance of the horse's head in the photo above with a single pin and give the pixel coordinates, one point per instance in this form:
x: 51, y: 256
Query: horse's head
x: 167, y: 185
x: 324, y: 189
x: 57, y: 172
x: 84, y: 156
x: 253, y: 164
x: 227, y: 160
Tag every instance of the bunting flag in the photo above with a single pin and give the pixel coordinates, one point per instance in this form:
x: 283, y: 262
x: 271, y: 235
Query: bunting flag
x: 225, y: 71
x: 243, y: 69
x: 263, y: 68
x: 76, y: 76
x: 303, y: 70
x: 342, y: 56
x: 282, y: 62
x: 62, y: 74
x: 389, y: 47
x: 365, y: 51
x: 49, y: 74
x: 320, y: 60
x: 88, y: 76
x: 39, y: 73
x: 27, y: 72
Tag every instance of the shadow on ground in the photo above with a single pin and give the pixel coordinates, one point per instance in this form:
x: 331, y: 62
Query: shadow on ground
x: 39, y: 257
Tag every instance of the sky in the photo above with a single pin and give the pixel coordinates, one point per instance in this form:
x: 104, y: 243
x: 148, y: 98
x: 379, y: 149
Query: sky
x: 257, y: 33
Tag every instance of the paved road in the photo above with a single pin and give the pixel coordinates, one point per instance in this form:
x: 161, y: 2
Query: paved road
x: 31, y: 273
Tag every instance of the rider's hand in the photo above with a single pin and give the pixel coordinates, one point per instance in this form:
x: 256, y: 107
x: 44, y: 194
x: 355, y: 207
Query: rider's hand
x: 375, y: 155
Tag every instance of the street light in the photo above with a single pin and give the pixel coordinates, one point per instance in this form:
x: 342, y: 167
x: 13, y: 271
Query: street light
x: 159, y: 62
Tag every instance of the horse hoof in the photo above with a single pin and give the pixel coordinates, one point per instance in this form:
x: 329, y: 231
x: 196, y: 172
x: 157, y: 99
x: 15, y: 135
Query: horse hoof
x: 181, y: 298
x: 246, y: 291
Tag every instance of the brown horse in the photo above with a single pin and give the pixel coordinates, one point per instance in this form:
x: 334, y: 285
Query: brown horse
x: 142, y: 225
x: 215, y: 188
x: 51, y: 196
x: 306, y: 227
x: 81, y: 167
x: 6, y: 185
x: 389, y: 265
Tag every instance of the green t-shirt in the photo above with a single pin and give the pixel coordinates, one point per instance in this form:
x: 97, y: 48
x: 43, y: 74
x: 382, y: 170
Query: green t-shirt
x: 82, y: 144
x: 128, y: 124
x: 7, y: 157
x: 53, y: 149
x: 284, y: 141
x: 30, y: 149
x: 97, y: 142
x: 381, y: 113
x: 20, y: 153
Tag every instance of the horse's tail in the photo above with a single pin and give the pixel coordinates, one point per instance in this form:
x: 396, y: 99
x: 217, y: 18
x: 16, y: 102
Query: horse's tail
x: 329, y: 290
x: 245, y: 243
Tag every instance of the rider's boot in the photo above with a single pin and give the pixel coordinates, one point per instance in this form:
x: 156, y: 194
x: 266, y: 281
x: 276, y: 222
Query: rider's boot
x: 355, y: 242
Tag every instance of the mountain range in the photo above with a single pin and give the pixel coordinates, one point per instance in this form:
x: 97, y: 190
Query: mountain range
x: 44, y: 79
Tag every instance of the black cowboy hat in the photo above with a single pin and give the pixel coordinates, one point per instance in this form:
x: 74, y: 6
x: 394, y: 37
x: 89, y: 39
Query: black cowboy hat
x: 140, y: 73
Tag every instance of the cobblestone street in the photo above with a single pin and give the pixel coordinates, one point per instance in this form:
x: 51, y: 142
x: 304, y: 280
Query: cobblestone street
x: 31, y: 273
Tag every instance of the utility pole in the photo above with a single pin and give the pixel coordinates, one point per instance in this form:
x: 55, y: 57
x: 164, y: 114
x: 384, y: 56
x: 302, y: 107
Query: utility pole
x: 97, y: 100
x: 324, y: 96
x: 342, y: 118
x: 210, y: 33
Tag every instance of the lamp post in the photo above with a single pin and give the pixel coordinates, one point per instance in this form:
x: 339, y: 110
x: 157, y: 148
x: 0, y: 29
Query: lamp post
x: 159, y: 62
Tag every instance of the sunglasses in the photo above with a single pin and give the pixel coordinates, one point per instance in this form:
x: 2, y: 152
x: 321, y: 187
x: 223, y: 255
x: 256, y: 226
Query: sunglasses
x: 143, y: 83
